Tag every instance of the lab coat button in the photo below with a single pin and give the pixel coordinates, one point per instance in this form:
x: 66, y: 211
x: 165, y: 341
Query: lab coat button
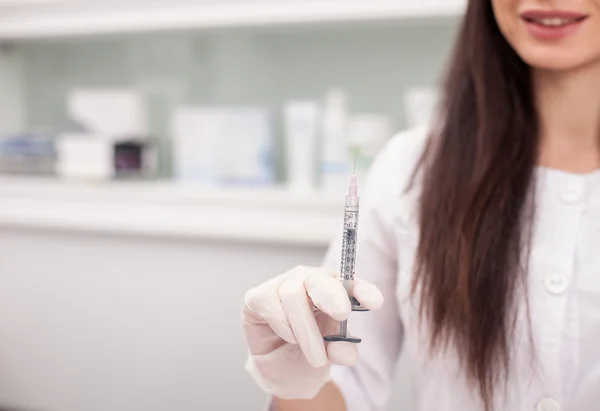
x: 571, y: 193
x: 548, y: 404
x: 555, y: 283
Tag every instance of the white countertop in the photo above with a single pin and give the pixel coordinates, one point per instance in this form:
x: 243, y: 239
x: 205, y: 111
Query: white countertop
x: 168, y: 209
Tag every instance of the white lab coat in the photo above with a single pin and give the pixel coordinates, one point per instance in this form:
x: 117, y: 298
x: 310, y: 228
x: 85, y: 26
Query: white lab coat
x: 564, y: 299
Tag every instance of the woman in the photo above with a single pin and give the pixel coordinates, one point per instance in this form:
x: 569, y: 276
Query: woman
x: 478, y: 240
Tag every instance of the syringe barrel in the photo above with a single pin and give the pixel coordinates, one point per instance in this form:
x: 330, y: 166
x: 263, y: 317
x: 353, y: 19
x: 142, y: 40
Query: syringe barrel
x: 349, y: 243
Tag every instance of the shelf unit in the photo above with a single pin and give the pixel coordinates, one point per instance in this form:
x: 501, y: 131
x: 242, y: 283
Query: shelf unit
x: 166, y: 208
x: 85, y: 17
x: 171, y: 210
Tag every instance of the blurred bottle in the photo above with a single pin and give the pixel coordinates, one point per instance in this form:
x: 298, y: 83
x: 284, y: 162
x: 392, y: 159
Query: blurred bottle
x: 301, y: 119
x: 420, y: 105
x: 335, y: 159
x: 12, y: 90
x: 367, y: 134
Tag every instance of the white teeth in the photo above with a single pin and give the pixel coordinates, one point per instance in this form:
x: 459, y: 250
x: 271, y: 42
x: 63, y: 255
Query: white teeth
x: 554, y: 22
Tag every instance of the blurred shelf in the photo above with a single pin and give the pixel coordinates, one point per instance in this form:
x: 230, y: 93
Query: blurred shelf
x: 171, y: 210
x: 74, y: 18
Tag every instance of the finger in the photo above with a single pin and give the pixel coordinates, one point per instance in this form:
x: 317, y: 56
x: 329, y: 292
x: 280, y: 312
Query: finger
x: 299, y: 313
x: 265, y: 305
x: 340, y: 353
x: 328, y: 295
x: 367, y: 294
x: 343, y: 353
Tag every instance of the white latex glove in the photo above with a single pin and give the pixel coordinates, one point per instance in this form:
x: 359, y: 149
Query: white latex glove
x: 285, y: 320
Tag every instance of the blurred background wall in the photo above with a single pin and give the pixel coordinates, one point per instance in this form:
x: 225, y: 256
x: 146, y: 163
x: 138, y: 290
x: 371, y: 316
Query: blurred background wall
x: 133, y: 216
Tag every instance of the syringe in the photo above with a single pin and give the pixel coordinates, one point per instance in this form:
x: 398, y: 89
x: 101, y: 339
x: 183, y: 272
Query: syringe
x: 349, y: 257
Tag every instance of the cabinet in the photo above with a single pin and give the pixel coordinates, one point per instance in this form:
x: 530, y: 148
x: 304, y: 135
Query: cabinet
x: 213, y: 52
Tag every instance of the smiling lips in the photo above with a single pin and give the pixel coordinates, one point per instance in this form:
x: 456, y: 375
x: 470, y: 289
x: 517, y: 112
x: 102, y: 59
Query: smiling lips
x: 552, y: 25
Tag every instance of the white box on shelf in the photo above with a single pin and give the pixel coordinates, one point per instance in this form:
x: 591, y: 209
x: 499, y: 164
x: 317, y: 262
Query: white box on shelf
x: 247, y: 151
x: 223, y: 145
x: 195, y: 145
x: 84, y: 156
x: 114, y: 137
x: 111, y: 112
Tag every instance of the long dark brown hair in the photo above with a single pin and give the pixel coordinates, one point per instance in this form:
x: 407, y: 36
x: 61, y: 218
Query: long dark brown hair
x: 477, y: 176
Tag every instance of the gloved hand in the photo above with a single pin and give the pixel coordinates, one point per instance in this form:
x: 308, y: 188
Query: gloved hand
x: 285, y: 320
